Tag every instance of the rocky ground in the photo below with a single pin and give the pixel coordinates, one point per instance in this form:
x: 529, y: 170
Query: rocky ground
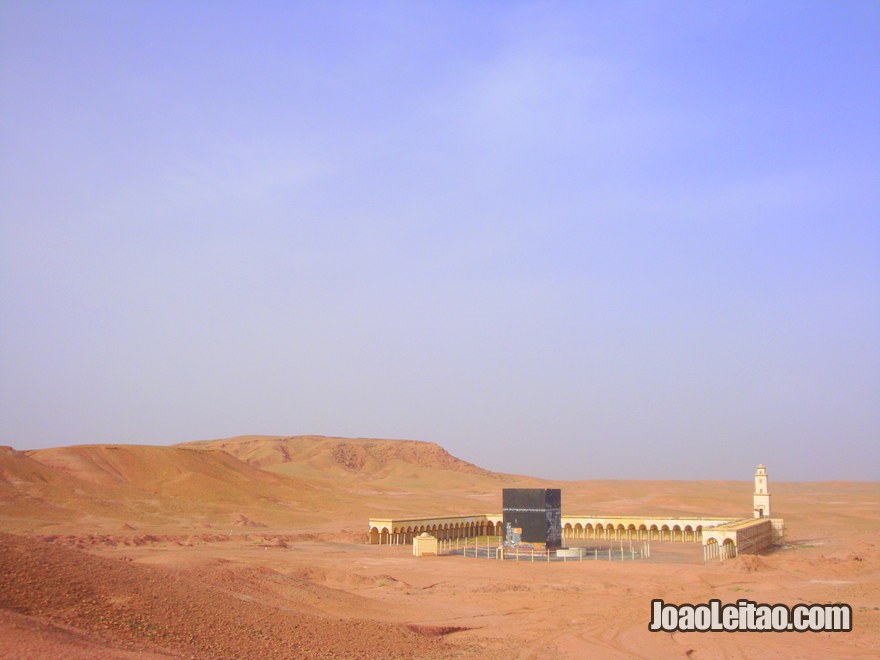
x: 115, y: 552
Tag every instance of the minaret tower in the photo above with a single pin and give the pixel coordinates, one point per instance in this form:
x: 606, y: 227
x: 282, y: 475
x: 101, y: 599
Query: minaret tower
x: 761, y: 497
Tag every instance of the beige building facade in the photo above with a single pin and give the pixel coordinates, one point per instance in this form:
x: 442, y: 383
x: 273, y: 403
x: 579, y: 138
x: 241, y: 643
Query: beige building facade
x: 722, y: 538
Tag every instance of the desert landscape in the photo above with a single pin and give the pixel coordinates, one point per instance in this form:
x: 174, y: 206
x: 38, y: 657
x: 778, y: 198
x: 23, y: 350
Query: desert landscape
x: 628, y: 252
x: 256, y: 546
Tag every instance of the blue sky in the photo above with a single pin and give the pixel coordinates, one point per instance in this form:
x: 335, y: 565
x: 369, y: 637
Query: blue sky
x: 575, y: 240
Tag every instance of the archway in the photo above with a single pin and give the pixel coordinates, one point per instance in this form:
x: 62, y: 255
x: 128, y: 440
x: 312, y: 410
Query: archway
x: 711, y: 548
x: 728, y: 549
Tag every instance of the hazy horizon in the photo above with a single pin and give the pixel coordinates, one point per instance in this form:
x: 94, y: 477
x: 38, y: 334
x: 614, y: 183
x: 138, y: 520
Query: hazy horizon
x: 576, y: 241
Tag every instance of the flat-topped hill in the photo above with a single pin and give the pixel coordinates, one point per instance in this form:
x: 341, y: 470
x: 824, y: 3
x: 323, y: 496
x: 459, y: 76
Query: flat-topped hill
x: 171, y: 471
x: 147, y: 486
x: 363, y: 459
x: 277, y: 482
x: 255, y: 546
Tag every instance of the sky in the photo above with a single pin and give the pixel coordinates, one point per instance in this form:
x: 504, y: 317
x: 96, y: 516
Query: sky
x: 590, y: 240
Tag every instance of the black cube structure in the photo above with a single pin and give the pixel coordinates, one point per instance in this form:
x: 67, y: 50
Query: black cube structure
x: 537, y: 512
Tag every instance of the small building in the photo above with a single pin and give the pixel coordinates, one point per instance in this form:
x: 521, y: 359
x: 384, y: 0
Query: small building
x: 425, y: 545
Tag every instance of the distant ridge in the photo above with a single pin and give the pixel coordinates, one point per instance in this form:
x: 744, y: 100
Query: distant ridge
x: 234, y: 483
x: 346, y: 458
x: 171, y: 471
x: 145, y: 484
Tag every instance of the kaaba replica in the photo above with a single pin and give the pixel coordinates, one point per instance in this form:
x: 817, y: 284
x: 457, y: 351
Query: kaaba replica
x: 536, y: 512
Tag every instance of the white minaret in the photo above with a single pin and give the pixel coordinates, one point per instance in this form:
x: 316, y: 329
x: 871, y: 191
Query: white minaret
x: 761, y: 497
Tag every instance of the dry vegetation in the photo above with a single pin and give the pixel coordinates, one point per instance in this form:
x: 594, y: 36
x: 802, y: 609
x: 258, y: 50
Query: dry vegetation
x: 254, y: 547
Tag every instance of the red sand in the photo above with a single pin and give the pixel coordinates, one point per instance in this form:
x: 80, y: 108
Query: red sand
x: 188, y: 551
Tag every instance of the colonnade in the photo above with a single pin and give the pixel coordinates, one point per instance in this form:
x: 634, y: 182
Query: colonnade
x: 715, y: 550
x: 387, y: 531
x: 646, y: 531
x: 402, y: 532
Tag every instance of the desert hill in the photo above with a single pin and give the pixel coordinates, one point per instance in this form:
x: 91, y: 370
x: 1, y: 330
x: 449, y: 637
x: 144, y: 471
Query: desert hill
x: 284, y: 483
x: 167, y: 471
x: 253, y: 546
x: 113, y: 486
x: 387, y: 477
x: 351, y: 459
x: 31, y: 490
